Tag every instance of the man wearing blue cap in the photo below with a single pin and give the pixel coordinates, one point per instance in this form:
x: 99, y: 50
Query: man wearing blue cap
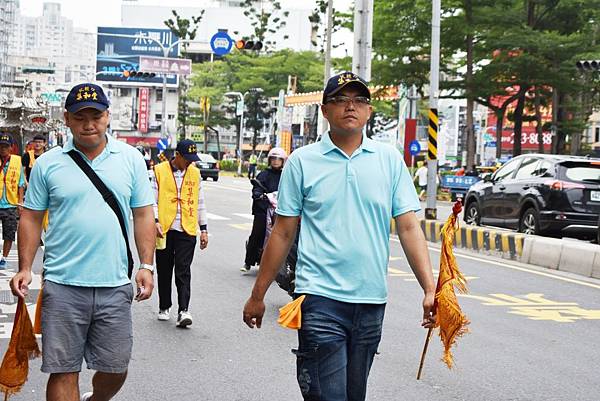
x: 179, y: 211
x: 87, y: 292
x: 12, y: 185
x: 346, y: 188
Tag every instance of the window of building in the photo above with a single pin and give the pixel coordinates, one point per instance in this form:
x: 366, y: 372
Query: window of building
x: 158, y: 117
x: 171, y: 116
x: 159, y: 95
x: 597, y: 135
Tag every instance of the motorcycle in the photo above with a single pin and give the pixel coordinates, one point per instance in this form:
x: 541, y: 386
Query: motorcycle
x: 286, y: 275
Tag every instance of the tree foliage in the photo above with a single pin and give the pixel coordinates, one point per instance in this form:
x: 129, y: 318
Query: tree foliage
x: 522, y: 51
x: 185, y: 29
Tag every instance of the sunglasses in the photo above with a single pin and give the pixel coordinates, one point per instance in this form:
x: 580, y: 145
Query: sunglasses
x: 345, y: 100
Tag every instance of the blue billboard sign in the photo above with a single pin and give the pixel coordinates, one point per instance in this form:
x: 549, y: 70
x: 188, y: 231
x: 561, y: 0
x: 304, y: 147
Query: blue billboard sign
x: 117, y: 55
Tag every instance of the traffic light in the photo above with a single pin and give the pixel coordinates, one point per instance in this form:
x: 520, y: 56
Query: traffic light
x: 248, y: 45
x: 140, y: 74
x: 588, y: 65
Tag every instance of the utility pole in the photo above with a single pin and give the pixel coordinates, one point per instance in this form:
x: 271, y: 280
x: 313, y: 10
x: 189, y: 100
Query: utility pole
x: 363, y: 38
x: 322, y: 123
x: 430, y: 210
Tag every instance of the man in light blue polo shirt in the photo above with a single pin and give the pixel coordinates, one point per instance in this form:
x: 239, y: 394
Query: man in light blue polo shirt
x: 87, y: 293
x: 346, y: 189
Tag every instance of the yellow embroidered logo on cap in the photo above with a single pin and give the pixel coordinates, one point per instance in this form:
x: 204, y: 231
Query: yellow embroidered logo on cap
x: 86, y: 92
x: 192, y: 149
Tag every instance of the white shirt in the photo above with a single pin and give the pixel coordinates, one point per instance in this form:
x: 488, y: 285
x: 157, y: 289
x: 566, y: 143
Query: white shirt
x: 422, y: 174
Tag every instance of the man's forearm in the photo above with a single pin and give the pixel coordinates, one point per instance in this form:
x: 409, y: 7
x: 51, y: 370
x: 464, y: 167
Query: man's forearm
x: 415, y: 247
x: 273, y: 257
x: 145, y: 233
x: 29, y: 234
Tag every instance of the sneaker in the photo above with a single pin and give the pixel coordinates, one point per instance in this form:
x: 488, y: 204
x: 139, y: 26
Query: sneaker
x: 3, y: 264
x: 164, y: 314
x: 245, y: 268
x: 86, y: 396
x: 184, y: 319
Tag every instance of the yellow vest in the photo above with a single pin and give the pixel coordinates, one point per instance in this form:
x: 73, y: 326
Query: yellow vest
x: 11, y: 180
x: 170, y: 198
x: 31, y: 158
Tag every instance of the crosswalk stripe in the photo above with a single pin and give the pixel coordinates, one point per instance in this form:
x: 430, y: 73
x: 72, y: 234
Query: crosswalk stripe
x: 216, y: 217
x: 244, y: 215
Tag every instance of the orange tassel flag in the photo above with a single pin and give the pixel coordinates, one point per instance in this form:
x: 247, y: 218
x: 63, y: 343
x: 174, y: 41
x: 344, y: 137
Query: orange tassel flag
x: 449, y: 317
x: 22, y: 346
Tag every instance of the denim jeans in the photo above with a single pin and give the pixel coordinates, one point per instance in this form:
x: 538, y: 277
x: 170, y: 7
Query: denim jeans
x: 336, y: 346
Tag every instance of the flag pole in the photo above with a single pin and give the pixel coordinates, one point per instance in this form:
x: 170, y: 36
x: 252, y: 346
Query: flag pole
x: 429, y: 333
x: 455, y: 211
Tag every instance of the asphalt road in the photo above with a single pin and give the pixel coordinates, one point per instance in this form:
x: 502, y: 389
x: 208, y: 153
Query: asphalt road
x: 533, y: 334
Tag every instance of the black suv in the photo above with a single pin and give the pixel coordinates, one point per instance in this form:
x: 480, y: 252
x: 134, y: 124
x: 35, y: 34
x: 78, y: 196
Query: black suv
x: 552, y: 195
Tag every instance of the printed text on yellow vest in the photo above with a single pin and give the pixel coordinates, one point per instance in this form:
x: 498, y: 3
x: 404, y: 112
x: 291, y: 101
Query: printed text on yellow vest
x: 170, y: 198
x: 11, y: 180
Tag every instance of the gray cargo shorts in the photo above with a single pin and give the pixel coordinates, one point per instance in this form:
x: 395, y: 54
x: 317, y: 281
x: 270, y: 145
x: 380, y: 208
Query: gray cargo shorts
x: 86, y: 322
x: 8, y: 217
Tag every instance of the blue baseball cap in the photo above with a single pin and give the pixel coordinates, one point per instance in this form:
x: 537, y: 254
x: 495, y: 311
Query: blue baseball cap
x: 340, y: 81
x: 188, y: 150
x: 85, y: 96
x: 6, y: 139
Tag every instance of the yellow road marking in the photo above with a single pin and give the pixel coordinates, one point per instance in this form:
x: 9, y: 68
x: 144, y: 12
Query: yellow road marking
x: 507, y: 265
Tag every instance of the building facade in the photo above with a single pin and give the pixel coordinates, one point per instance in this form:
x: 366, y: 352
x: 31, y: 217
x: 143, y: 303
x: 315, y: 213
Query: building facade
x: 64, y: 54
x: 7, y: 20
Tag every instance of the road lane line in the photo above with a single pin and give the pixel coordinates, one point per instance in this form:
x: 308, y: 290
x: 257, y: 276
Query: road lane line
x: 244, y: 215
x: 514, y: 267
x: 211, y: 216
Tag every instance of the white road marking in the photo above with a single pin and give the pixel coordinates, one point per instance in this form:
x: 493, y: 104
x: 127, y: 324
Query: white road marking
x: 244, y: 215
x: 216, y: 217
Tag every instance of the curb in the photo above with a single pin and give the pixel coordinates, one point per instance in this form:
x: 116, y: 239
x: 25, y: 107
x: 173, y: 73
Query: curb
x: 509, y: 245
x: 564, y: 255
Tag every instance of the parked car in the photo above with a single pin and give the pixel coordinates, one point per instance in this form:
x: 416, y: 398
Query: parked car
x: 209, y: 166
x: 553, y: 195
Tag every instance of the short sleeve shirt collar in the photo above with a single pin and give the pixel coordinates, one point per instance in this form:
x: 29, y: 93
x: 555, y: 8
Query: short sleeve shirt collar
x: 327, y: 145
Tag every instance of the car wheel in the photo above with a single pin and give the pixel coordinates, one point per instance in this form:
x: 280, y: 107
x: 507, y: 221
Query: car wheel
x: 215, y: 178
x: 530, y: 222
x: 204, y: 178
x: 472, y: 215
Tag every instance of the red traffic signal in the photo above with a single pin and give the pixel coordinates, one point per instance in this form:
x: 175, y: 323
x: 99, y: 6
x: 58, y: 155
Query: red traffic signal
x: 140, y: 74
x: 248, y: 45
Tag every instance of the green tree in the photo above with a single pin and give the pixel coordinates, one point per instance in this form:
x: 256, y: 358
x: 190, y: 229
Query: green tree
x: 186, y: 30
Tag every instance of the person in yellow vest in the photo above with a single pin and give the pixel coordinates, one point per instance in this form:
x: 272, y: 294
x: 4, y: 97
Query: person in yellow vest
x: 38, y: 147
x: 12, y: 184
x: 252, y: 162
x: 179, y: 211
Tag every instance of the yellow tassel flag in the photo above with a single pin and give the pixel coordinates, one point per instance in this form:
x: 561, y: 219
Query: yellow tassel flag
x: 22, y: 346
x: 450, y: 319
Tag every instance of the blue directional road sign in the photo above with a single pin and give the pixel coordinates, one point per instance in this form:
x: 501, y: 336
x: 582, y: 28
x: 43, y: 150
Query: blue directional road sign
x: 162, y: 144
x: 414, y: 147
x: 221, y: 43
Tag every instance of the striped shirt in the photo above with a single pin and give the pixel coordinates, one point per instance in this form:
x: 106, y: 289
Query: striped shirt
x: 202, y: 219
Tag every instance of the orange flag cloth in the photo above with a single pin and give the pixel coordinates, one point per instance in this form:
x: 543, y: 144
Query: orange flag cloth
x: 450, y: 318
x: 290, y: 315
x: 22, y: 346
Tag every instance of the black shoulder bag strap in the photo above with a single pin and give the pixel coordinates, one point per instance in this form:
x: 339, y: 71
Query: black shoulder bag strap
x: 108, y: 197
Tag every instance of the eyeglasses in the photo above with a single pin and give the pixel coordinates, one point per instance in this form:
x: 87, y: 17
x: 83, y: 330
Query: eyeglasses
x: 342, y: 100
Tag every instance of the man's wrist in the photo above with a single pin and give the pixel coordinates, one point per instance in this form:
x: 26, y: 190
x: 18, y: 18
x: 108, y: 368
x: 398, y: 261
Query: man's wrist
x: 146, y: 266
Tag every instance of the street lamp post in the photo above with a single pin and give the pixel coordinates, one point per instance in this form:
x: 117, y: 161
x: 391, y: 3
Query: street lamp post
x: 240, y: 141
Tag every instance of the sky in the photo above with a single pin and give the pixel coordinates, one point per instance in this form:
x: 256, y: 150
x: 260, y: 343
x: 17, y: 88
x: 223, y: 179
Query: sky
x: 91, y: 14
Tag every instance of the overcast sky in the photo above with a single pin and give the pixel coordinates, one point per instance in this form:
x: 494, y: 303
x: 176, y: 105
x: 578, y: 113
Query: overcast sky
x: 91, y: 14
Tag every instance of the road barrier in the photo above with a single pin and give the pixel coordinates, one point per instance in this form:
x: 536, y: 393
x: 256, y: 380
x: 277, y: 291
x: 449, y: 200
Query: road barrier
x: 576, y: 257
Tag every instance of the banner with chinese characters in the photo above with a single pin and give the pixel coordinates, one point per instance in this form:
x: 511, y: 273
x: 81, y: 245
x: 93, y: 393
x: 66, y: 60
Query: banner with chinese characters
x: 143, y: 100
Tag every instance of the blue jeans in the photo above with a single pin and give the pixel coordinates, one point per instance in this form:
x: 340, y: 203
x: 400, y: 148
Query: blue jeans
x: 336, y: 346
